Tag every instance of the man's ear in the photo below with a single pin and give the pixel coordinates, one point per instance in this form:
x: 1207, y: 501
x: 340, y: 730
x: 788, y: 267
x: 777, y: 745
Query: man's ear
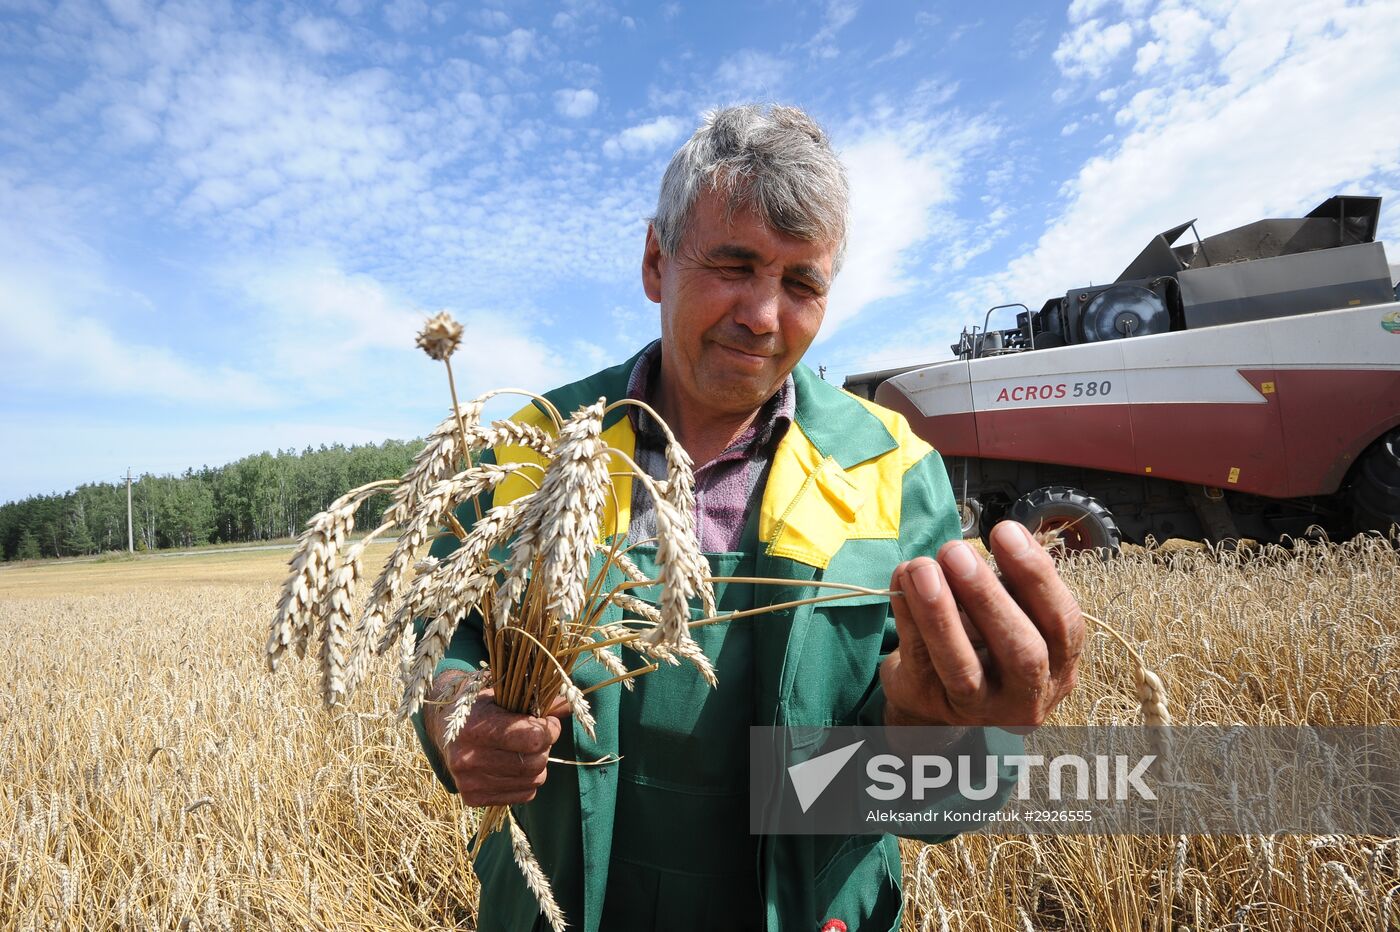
x: 651, y: 265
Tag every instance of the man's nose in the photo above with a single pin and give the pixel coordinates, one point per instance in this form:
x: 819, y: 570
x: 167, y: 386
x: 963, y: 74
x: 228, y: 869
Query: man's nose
x: 761, y: 306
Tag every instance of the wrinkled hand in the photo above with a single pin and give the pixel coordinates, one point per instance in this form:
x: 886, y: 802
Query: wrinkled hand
x: 974, y: 651
x: 499, y: 758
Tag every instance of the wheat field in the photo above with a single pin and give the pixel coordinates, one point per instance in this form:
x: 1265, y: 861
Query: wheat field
x: 153, y: 775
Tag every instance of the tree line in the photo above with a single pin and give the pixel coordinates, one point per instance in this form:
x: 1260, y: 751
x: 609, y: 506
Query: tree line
x: 261, y: 497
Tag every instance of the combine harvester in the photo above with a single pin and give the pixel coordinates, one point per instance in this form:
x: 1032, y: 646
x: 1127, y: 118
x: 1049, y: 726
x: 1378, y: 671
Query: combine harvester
x: 1245, y: 385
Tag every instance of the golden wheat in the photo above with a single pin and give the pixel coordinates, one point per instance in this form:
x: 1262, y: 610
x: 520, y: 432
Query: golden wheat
x: 153, y: 775
x: 1268, y: 637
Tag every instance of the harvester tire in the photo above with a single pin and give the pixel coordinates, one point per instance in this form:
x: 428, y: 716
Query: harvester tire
x: 1375, y: 493
x: 1080, y: 520
x: 970, y: 516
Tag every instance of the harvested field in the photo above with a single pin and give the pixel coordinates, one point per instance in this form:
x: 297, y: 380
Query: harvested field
x: 153, y: 775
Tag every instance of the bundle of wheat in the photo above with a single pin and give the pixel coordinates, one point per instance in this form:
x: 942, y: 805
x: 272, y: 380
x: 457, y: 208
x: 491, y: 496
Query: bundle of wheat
x: 541, y: 607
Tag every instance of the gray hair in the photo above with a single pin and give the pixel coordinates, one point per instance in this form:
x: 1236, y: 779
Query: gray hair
x: 778, y: 162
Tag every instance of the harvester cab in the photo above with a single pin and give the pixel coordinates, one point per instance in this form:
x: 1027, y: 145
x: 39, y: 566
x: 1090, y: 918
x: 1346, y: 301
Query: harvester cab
x: 1245, y: 384
x: 1204, y: 282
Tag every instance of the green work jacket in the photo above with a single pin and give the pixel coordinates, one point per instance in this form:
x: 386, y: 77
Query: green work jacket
x: 852, y: 492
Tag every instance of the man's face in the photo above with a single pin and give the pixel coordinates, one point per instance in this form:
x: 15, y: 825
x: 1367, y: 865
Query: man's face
x: 740, y: 304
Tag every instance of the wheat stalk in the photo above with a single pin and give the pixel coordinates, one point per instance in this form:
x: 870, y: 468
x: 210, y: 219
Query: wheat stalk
x: 1148, y: 686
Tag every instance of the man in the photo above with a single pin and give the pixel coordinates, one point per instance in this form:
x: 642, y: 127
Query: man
x: 646, y: 826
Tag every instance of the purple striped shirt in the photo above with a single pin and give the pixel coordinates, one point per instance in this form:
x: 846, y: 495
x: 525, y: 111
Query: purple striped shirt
x: 726, y: 486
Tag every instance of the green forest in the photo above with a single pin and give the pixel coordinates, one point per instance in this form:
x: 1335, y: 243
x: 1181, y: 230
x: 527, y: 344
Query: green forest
x: 257, y: 498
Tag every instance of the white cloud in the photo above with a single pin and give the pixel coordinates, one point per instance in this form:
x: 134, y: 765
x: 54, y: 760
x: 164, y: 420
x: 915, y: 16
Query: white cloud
x: 1026, y: 37
x: 321, y: 35
x: 591, y: 356
x: 1080, y: 10
x: 1255, y: 36
x: 61, y: 332
x: 575, y: 104
x: 316, y: 343
x: 645, y: 137
x: 837, y: 15
x: 963, y: 29
x: 1257, y: 136
x: 47, y: 339
x: 306, y: 330
x: 405, y: 15
x: 1092, y: 48
x: 1180, y: 33
x: 248, y: 140
x: 518, y: 45
x: 319, y: 323
x: 901, y: 177
x: 215, y: 133
x: 320, y: 316
x: 491, y: 19
x: 900, y: 48
x: 255, y: 141
x: 748, y: 74
x: 130, y: 125
x: 500, y: 349
x: 635, y: 323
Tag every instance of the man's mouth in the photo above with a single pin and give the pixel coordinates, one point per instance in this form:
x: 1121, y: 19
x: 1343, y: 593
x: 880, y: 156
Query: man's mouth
x: 746, y: 355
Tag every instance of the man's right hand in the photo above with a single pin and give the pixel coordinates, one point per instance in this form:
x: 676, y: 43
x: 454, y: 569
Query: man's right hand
x: 499, y: 758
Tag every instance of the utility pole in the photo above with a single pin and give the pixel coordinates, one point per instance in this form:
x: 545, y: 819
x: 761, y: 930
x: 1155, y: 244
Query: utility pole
x: 130, y: 541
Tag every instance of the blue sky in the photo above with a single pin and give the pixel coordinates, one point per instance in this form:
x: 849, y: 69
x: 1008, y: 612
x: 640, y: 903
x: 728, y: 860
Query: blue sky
x: 220, y: 224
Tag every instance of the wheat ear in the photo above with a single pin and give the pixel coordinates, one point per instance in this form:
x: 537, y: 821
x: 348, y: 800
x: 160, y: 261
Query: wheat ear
x: 314, y: 561
x: 438, y: 501
x: 534, y: 876
x: 1151, y: 692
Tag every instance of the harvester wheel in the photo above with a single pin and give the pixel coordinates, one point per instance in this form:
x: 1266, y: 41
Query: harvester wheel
x: 970, y: 514
x: 1375, y: 495
x: 1074, y: 518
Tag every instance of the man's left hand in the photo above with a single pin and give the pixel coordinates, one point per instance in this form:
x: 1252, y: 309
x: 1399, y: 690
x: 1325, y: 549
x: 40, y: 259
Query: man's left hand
x: 974, y: 651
